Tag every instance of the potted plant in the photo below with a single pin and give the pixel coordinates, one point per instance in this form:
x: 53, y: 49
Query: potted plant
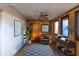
x: 27, y: 34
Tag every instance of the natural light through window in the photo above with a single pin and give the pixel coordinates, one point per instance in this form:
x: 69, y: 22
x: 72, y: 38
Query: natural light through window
x: 65, y: 27
x: 45, y: 28
x: 56, y: 27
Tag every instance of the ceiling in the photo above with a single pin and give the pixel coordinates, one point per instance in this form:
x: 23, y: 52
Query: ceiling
x: 52, y: 9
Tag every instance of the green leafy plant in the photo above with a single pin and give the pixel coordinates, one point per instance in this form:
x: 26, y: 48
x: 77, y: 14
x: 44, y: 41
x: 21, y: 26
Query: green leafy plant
x: 27, y: 33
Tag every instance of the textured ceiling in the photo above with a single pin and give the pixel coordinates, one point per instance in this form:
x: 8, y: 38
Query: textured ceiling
x: 34, y: 9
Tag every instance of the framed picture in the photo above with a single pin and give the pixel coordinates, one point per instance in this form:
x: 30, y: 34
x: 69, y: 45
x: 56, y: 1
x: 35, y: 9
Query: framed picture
x: 45, y: 28
x: 17, y: 28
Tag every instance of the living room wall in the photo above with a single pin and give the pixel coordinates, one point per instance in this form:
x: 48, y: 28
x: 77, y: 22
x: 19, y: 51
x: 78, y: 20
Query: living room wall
x: 10, y: 43
x: 38, y: 26
x: 0, y: 32
x: 72, y: 18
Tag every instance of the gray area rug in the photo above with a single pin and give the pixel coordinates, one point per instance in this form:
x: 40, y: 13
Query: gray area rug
x: 40, y: 50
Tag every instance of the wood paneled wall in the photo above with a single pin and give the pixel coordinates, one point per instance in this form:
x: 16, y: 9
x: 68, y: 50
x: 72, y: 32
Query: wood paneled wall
x: 38, y: 26
x: 72, y: 18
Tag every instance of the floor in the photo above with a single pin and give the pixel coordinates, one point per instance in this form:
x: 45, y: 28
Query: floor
x: 37, y: 50
x: 22, y: 50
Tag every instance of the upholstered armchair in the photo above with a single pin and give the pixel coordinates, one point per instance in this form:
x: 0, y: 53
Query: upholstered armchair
x: 45, y: 39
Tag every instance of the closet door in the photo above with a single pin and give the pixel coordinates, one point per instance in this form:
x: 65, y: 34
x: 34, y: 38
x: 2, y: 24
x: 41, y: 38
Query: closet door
x: 77, y: 27
x: 35, y: 32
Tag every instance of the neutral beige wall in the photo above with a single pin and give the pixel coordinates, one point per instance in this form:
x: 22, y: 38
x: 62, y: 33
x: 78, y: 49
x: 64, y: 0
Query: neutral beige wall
x: 11, y: 44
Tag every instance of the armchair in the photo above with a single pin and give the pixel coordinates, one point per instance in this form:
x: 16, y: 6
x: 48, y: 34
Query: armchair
x: 45, y: 39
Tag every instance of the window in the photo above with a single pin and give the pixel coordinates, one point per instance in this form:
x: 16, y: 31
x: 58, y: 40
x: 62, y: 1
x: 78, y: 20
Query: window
x: 56, y: 27
x: 45, y: 28
x: 65, y: 26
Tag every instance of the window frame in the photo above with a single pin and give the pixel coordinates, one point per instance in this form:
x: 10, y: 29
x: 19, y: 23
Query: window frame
x: 67, y: 16
x: 54, y: 25
x: 45, y: 25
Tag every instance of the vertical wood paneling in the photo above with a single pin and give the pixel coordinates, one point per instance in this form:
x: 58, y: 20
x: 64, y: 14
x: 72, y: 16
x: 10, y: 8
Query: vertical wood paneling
x: 71, y: 14
x: 36, y: 34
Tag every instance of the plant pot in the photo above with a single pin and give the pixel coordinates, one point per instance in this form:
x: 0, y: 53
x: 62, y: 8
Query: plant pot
x: 29, y: 42
x: 25, y: 41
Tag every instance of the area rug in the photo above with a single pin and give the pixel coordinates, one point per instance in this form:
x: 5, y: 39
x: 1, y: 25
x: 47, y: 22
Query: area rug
x: 40, y: 50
